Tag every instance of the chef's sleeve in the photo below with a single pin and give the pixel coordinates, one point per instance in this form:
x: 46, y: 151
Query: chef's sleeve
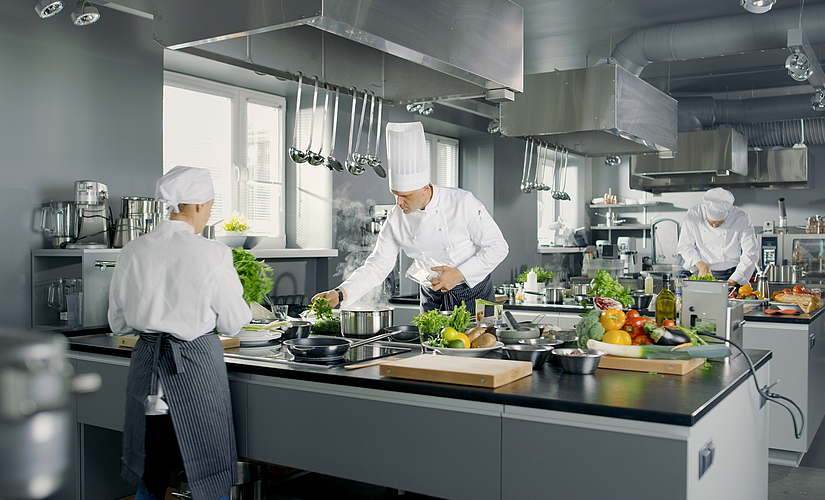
x: 115, y: 315
x: 750, y: 253
x: 232, y: 311
x: 686, y: 247
x: 486, y: 235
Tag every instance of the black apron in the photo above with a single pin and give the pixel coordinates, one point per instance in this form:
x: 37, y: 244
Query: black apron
x: 196, y: 388
x: 446, y: 301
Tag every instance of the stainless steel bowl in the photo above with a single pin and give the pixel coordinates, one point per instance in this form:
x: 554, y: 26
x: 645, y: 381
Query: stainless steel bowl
x: 510, y: 336
x: 641, y: 300
x: 536, y: 354
x: 581, y: 361
x: 542, y: 342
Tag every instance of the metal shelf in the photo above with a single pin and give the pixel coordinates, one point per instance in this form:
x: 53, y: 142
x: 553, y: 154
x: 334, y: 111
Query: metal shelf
x: 549, y: 249
x: 626, y: 206
x: 621, y: 227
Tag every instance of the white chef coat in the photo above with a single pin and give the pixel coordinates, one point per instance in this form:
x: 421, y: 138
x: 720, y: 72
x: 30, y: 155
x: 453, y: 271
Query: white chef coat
x: 175, y: 281
x: 453, y: 230
x: 733, y: 244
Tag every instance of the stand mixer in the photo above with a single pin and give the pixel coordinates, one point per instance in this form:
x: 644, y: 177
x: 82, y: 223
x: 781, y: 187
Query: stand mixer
x: 92, y: 215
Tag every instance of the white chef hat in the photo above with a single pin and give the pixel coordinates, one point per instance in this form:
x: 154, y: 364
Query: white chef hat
x: 184, y: 185
x: 718, y: 202
x: 407, y: 156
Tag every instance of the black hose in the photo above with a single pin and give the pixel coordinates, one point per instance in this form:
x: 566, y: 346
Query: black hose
x: 764, y: 392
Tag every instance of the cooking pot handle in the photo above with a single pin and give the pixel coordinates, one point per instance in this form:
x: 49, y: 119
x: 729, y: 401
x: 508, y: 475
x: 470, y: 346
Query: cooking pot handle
x: 372, y: 339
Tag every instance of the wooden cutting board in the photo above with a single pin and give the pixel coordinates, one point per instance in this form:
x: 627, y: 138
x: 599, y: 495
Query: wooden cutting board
x: 672, y: 366
x: 130, y: 340
x: 480, y: 372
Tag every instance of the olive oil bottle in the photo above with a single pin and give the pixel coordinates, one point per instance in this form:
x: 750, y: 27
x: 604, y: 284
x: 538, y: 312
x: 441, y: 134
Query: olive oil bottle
x: 665, y: 302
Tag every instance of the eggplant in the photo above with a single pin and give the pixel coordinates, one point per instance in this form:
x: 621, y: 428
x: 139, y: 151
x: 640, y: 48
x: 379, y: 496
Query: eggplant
x: 662, y: 335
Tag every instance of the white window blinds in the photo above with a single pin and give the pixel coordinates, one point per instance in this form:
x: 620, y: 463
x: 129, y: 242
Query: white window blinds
x: 443, y: 160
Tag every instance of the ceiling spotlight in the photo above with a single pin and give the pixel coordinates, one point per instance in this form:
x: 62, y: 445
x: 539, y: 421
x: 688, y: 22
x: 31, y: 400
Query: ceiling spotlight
x: 427, y: 109
x: 85, y: 14
x: 757, y: 6
x: 798, y: 66
x: 612, y: 160
x: 818, y: 100
x: 414, y: 107
x: 494, y: 126
x: 48, y: 8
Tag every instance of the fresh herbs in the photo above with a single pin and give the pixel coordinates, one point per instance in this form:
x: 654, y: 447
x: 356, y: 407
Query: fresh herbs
x: 459, y: 318
x: 326, y: 322
x: 542, y: 275
x: 706, y: 277
x: 237, y: 223
x: 605, y: 286
x: 430, y: 322
x: 255, y: 275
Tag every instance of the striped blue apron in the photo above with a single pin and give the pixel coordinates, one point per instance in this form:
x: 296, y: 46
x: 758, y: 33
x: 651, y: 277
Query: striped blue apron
x: 446, y: 301
x: 196, y: 389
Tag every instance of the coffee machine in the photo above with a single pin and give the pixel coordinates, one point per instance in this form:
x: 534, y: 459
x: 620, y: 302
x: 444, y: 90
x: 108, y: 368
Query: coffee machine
x: 631, y: 262
x: 93, y: 217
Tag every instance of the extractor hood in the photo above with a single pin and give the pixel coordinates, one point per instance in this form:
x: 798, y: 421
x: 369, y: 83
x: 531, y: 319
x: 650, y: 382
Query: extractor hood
x: 720, y: 158
x: 597, y: 111
x: 402, y: 51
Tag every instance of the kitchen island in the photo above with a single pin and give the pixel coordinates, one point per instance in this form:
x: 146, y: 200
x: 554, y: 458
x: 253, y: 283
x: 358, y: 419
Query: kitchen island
x: 450, y: 441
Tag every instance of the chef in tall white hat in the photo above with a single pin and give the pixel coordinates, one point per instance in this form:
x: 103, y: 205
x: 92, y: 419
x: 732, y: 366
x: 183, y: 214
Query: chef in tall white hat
x: 175, y: 289
x: 454, y: 242
x: 718, y: 238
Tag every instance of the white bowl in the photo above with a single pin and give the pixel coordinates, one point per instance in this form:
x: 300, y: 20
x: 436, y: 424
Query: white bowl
x: 232, y: 241
x: 472, y: 352
x: 784, y: 305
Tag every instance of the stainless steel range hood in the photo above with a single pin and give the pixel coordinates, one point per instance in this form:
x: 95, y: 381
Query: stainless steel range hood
x: 598, y: 111
x: 719, y: 158
x: 403, y: 51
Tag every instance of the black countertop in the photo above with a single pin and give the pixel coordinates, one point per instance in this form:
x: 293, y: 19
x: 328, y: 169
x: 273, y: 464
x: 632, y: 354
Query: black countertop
x: 642, y: 396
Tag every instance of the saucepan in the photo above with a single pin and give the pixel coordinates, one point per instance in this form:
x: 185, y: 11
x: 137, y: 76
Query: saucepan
x: 326, y: 347
x: 363, y: 323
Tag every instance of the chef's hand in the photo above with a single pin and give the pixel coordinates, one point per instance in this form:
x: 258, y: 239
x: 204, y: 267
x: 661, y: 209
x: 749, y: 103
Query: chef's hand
x: 733, y: 283
x: 447, y: 280
x: 331, y: 296
x: 703, y: 268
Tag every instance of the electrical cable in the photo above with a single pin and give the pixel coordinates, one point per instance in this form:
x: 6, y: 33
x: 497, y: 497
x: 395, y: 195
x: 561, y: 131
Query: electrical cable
x: 765, y: 391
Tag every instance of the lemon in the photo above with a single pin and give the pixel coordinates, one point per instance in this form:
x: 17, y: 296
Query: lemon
x: 449, y: 334
x: 619, y: 337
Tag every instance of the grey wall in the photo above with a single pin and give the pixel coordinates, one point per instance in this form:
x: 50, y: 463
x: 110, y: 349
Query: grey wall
x: 77, y: 103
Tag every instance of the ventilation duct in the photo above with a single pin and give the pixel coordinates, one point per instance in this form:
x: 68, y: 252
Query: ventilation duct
x: 598, y: 111
x: 403, y: 51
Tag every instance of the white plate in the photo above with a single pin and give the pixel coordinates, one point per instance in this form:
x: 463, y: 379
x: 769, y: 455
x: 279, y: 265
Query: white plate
x: 259, y: 338
x: 472, y: 352
x: 753, y: 302
x: 784, y: 305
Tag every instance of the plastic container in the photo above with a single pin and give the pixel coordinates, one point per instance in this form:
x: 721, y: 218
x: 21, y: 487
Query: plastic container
x: 613, y: 266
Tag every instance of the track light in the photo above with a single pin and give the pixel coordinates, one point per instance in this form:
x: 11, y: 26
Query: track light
x: 427, y: 109
x: 818, y: 100
x: 798, y: 66
x: 612, y: 160
x: 414, y: 107
x: 48, y: 8
x: 757, y: 6
x: 85, y: 14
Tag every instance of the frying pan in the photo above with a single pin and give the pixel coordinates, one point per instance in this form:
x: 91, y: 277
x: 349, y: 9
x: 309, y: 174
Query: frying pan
x: 403, y: 333
x: 326, y: 347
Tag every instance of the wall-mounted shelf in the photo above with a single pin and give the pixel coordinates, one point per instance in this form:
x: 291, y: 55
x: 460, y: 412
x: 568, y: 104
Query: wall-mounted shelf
x: 549, y: 249
x: 625, y: 227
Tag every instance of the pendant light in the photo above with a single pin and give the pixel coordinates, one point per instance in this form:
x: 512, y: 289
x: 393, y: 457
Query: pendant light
x: 757, y: 6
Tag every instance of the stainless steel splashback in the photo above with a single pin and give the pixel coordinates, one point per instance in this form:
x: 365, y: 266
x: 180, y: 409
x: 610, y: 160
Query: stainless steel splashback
x: 403, y: 51
x: 597, y: 111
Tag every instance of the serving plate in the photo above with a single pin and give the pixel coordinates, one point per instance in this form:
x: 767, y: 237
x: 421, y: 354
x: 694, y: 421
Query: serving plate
x: 753, y: 302
x: 472, y: 352
x: 253, y: 338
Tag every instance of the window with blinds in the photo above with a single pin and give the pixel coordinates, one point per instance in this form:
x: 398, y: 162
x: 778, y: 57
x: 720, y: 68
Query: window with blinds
x: 238, y: 135
x: 443, y: 160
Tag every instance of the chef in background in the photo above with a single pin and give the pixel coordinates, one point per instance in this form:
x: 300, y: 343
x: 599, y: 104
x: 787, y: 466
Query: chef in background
x: 176, y: 289
x: 718, y: 238
x: 453, y: 240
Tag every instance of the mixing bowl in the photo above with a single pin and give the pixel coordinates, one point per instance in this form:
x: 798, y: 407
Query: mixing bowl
x: 536, y: 354
x: 583, y: 361
x: 510, y: 336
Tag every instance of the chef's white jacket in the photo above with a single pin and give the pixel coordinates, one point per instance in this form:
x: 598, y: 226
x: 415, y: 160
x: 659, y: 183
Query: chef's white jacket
x: 453, y: 230
x: 175, y: 281
x: 733, y: 244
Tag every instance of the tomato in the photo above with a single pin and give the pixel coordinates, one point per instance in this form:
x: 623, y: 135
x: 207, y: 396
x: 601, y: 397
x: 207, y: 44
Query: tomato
x: 612, y: 319
x: 643, y: 339
x: 799, y: 289
x: 633, y: 313
x: 669, y: 322
x: 619, y: 337
x: 786, y: 290
x: 633, y: 326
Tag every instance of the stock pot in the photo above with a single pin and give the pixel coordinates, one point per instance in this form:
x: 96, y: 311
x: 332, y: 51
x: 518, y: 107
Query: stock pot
x: 364, y: 323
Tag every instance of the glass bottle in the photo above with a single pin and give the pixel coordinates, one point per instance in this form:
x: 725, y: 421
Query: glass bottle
x: 665, y: 302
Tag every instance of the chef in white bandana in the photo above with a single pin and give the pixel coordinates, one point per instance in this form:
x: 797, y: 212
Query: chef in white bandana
x: 454, y: 241
x: 175, y: 289
x: 718, y: 238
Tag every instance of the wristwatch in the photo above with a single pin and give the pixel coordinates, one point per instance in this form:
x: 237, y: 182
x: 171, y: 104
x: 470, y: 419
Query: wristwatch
x: 340, y: 295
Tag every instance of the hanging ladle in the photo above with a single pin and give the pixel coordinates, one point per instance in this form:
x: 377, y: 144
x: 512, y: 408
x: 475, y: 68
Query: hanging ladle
x: 527, y: 186
x: 555, y: 184
x: 358, y: 157
x: 524, y: 171
x: 541, y: 186
x: 354, y: 165
x: 332, y: 163
x: 374, y: 161
x: 317, y: 158
x: 311, y: 157
x: 296, y: 154
x: 564, y: 195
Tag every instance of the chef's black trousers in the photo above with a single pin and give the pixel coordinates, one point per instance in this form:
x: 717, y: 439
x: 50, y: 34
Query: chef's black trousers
x: 163, y: 456
x: 446, y: 301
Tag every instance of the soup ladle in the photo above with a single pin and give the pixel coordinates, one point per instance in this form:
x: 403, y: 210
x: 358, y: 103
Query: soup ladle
x: 354, y: 165
x: 332, y: 163
x: 297, y: 155
x: 313, y: 158
x: 317, y: 158
x: 374, y: 161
